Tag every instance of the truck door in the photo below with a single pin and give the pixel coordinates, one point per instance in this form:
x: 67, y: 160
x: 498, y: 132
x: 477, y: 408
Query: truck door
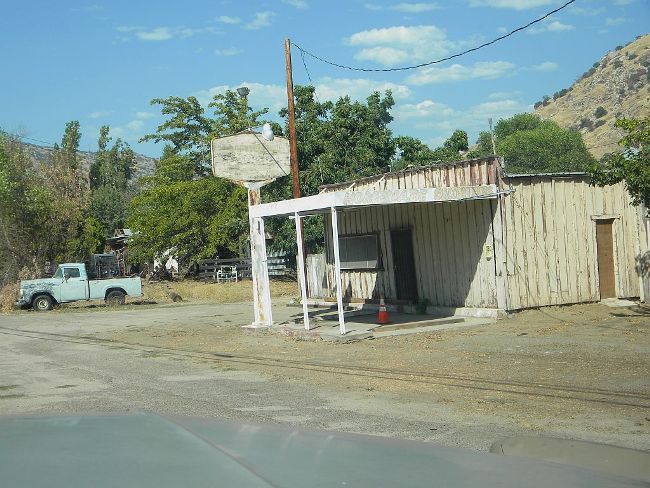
x: 74, y: 286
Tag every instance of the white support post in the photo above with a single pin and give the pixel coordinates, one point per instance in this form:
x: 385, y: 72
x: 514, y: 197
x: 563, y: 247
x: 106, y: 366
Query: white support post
x: 337, y: 270
x: 259, y: 266
x: 301, y: 270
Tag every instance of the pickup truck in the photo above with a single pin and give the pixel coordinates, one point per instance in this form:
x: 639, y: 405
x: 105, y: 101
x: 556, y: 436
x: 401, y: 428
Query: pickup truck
x: 71, y: 283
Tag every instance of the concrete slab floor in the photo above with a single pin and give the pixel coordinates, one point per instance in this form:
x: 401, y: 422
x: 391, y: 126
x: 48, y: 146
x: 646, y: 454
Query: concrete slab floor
x: 362, y: 324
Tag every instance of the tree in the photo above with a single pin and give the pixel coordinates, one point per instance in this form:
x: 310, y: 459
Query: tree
x: 198, y: 218
x: 632, y: 166
x: 110, y: 174
x: 336, y: 142
x: 412, y: 152
x: 182, y: 206
x: 188, y: 130
x: 529, y: 144
x: 546, y: 149
x: 43, y: 214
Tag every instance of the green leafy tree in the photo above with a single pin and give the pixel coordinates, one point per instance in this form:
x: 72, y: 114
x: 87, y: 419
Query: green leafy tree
x: 109, y: 175
x: 199, y: 218
x: 188, y: 130
x: 412, y: 152
x: 632, y: 166
x: 336, y: 142
x: 43, y: 214
x: 529, y: 144
x: 182, y: 206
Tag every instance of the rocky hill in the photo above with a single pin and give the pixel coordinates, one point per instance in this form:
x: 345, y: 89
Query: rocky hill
x: 144, y: 165
x: 617, y: 86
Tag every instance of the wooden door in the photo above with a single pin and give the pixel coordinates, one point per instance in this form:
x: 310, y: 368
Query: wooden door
x: 605, y: 246
x: 403, y: 265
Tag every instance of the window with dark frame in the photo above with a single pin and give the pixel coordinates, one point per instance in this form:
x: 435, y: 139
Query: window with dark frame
x: 359, y: 252
x: 72, y: 272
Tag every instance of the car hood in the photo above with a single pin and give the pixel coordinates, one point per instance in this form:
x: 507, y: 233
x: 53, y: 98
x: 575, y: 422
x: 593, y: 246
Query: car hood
x: 40, y: 283
x: 147, y: 450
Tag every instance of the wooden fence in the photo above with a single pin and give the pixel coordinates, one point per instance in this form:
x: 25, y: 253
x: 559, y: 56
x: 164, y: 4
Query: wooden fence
x: 278, y: 266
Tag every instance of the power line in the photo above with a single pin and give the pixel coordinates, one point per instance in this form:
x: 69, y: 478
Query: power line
x: 457, y: 55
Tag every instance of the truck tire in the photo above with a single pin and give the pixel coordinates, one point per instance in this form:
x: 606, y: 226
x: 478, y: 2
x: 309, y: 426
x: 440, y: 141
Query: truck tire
x: 115, y: 297
x: 42, y: 303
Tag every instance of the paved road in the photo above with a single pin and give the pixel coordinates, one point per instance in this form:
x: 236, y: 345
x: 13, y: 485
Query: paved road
x: 48, y: 370
x: 58, y: 375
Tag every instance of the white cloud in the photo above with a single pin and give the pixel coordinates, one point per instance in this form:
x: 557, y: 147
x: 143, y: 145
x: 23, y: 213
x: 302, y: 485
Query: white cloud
x: 554, y: 26
x: 261, y: 95
x: 406, y: 7
x: 457, y: 72
x: 162, y: 33
x: 394, y: 45
x: 157, y: 34
x: 622, y: 3
x: 545, y: 66
x: 514, y: 4
x: 261, y: 19
x: 301, y: 4
x: 99, y: 114
x: 144, y: 115
x: 503, y: 95
x: 229, y: 51
x: 425, y: 108
x: 357, y: 89
x: 135, y: 125
x: 225, y: 19
x: 275, y: 96
x: 615, y: 21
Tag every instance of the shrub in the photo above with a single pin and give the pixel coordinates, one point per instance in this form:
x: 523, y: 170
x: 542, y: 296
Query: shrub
x: 586, y: 123
x: 599, y: 123
x: 600, y: 112
x: 559, y: 94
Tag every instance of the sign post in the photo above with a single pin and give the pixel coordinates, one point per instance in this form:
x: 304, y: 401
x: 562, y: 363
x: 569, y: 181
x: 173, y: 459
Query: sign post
x: 251, y: 160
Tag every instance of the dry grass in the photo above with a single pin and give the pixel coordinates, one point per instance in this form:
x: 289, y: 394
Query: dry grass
x: 8, y: 296
x: 213, y: 292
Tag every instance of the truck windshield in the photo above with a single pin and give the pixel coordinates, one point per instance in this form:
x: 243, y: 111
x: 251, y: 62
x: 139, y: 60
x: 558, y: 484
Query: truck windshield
x: 58, y: 274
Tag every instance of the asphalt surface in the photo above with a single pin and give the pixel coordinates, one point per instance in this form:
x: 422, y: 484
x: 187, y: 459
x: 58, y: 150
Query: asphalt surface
x: 45, y: 369
x: 50, y: 374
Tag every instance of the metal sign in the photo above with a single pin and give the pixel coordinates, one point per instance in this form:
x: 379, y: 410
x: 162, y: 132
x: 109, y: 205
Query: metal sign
x: 249, y: 157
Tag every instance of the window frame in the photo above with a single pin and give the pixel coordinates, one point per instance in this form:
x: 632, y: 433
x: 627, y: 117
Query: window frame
x: 379, y: 266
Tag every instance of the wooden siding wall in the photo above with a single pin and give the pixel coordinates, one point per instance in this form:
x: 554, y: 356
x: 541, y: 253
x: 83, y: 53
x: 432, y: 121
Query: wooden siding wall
x: 453, y: 252
x: 551, y: 255
x: 465, y: 173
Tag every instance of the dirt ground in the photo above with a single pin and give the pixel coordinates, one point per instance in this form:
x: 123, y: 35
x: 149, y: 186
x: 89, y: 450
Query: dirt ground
x: 590, y: 346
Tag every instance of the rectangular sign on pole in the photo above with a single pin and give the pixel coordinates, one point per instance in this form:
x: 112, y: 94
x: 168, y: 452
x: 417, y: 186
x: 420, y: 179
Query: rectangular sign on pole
x: 249, y: 157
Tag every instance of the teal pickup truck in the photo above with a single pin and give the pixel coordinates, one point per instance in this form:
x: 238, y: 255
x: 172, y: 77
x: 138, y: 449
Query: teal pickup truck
x: 71, y: 283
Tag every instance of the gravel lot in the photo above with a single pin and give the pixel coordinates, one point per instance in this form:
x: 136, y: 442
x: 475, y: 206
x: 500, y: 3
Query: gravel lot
x: 580, y: 354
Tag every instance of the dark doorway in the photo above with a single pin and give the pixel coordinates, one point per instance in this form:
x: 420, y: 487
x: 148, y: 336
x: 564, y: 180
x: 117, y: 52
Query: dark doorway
x: 605, y: 244
x: 403, y: 265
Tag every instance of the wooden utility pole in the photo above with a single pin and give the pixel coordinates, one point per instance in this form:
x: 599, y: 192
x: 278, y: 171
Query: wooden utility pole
x: 292, y: 121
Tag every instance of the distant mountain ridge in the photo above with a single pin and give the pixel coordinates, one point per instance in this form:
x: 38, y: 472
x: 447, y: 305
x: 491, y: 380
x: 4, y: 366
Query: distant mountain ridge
x: 144, y: 165
x: 617, y: 86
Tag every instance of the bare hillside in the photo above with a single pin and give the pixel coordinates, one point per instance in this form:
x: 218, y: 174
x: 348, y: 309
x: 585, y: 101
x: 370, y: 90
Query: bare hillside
x: 617, y: 86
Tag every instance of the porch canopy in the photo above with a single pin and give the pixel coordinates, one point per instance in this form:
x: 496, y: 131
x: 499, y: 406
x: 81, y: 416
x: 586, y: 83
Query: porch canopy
x: 334, y: 201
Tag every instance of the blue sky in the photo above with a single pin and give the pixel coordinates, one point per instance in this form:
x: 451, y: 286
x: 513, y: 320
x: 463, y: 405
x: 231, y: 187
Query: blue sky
x: 101, y: 62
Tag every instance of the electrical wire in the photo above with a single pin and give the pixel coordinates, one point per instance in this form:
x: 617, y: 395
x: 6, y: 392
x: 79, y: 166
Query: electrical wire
x: 437, y: 61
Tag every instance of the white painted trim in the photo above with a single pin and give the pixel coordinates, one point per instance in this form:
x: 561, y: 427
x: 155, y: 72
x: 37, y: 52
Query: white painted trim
x: 323, y: 202
x: 337, y: 270
x: 301, y: 271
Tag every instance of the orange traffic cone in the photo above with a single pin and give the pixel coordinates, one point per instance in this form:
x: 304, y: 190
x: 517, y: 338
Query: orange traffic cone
x: 382, y: 316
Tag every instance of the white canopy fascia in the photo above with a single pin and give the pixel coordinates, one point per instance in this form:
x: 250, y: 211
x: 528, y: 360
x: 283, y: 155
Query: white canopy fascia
x: 343, y: 199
